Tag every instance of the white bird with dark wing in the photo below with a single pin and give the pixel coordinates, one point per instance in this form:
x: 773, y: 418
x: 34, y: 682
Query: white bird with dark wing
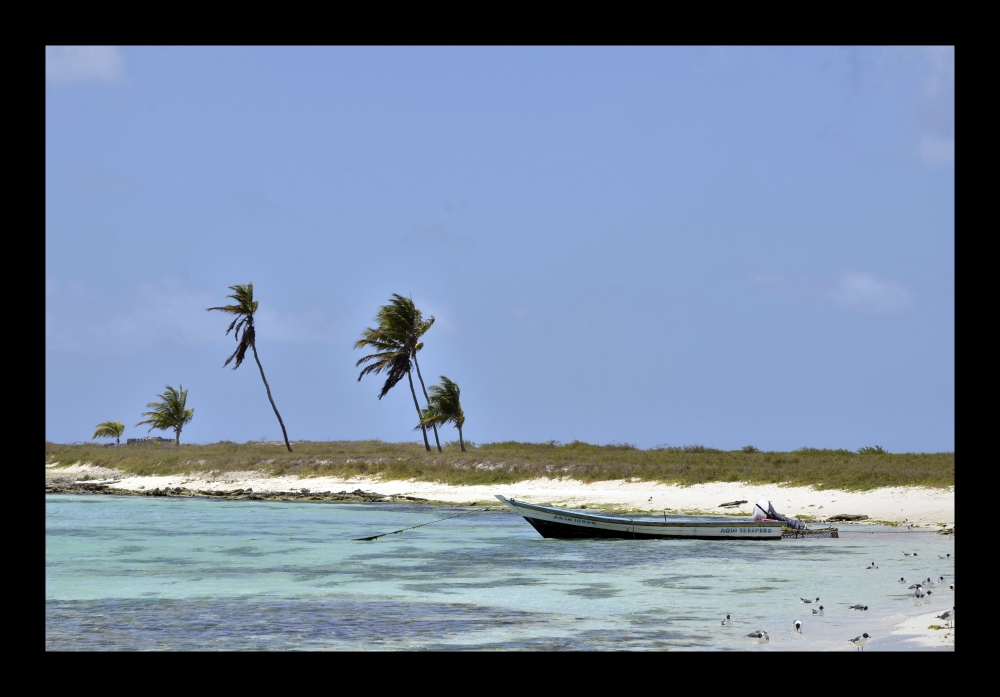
x: 728, y: 621
x: 807, y: 600
x: 859, y: 606
x: 901, y: 580
x: 760, y: 635
x: 948, y: 617
x: 797, y: 626
x: 818, y: 611
x: 946, y: 557
x: 860, y: 641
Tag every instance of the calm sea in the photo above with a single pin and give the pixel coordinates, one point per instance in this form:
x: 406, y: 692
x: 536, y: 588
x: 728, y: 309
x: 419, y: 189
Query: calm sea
x: 195, y: 574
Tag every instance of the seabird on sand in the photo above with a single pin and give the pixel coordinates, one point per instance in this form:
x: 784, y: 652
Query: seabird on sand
x: 860, y: 641
x: 797, y: 624
x: 948, y: 617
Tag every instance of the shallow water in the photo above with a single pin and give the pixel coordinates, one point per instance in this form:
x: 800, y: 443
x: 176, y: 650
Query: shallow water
x: 177, y: 573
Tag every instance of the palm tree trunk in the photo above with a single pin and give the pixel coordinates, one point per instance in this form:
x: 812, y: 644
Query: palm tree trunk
x: 417, y: 405
x: 434, y: 426
x: 460, y: 441
x: 268, y: 387
x: 177, y: 436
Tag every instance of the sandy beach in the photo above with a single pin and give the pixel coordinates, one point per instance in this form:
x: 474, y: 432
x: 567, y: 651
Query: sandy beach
x: 916, y: 505
x: 917, y: 630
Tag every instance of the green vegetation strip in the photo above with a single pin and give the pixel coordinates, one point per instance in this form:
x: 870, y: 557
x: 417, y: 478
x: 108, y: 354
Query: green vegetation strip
x: 509, y: 462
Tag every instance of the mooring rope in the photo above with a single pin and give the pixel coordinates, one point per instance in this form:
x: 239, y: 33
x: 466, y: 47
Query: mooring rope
x: 396, y: 532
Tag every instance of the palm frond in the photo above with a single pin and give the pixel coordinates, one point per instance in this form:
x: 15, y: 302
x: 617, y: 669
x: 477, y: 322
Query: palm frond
x: 398, y: 369
x: 445, y: 405
x: 109, y: 429
x: 395, y: 338
x: 170, y: 413
x: 249, y: 336
x: 242, y: 324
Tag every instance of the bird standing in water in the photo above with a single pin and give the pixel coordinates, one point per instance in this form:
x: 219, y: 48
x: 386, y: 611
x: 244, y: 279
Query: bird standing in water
x: 727, y: 621
x: 760, y: 635
x: 797, y: 626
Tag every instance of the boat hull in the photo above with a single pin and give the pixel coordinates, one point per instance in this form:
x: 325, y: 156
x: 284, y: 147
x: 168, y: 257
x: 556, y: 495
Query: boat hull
x: 564, y: 524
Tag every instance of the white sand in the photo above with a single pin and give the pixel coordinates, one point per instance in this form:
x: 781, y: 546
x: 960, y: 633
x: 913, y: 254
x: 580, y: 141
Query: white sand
x: 914, y: 504
x: 917, y: 629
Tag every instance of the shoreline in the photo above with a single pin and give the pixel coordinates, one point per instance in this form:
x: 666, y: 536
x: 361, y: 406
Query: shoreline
x: 926, y: 508
x: 892, y: 505
x: 917, y: 630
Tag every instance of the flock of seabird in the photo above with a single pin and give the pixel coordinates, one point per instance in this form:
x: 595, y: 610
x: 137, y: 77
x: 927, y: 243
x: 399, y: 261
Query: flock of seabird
x: 920, y: 593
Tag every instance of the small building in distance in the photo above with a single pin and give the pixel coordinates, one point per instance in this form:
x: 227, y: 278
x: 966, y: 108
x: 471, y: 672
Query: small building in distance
x: 148, y: 440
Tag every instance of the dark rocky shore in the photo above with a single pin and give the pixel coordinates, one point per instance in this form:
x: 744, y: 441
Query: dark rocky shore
x: 68, y: 485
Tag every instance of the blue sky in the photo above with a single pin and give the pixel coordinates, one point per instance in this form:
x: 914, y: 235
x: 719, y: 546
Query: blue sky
x: 724, y: 246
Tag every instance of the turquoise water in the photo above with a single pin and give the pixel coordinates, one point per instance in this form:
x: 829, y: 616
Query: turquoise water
x: 195, y: 574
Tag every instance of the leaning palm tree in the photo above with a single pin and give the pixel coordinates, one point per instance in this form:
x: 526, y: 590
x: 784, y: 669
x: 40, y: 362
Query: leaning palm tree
x: 423, y: 327
x: 244, y: 310
x: 444, y: 406
x: 170, y: 413
x: 396, y: 342
x: 110, y: 429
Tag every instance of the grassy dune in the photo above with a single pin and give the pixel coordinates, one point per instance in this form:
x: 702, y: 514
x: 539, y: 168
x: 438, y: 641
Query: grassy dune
x: 505, y: 463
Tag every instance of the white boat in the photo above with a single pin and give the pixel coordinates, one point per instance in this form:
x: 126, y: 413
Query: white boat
x: 563, y: 523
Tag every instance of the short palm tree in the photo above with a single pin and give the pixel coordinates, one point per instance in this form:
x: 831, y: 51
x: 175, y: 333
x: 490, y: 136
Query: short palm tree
x: 110, y: 429
x: 444, y: 406
x: 170, y: 413
x: 244, y: 310
x: 396, y: 340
